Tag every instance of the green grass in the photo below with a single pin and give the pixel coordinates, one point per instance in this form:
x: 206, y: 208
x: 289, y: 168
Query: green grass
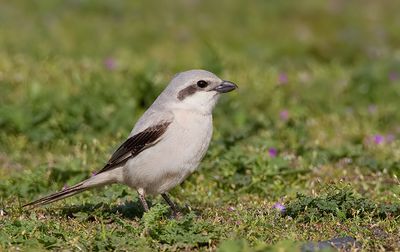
x: 319, y: 83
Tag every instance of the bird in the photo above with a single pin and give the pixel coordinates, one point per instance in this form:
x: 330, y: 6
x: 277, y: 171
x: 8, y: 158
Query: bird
x: 166, y: 144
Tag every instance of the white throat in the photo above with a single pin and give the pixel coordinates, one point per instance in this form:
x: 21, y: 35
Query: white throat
x: 201, y: 103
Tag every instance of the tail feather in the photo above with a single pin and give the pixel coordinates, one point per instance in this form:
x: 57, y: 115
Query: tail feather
x: 58, y: 195
x: 95, y: 181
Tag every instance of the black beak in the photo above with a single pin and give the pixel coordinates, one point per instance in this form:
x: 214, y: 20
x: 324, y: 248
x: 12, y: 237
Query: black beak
x: 225, y: 87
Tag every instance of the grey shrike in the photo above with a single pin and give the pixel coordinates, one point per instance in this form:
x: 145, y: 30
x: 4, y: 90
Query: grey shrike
x: 167, y: 143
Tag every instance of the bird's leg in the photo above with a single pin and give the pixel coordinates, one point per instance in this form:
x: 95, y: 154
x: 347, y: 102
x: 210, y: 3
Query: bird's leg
x: 143, y: 199
x: 175, y: 210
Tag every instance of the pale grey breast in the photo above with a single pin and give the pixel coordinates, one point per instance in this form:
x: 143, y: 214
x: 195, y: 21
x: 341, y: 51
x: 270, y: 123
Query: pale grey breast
x: 174, y: 157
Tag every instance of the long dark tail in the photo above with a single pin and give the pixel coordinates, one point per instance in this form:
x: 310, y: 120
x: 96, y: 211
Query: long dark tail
x: 57, y: 196
x: 95, y: 181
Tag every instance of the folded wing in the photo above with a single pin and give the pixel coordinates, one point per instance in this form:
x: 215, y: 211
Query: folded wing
x: 136, y: 144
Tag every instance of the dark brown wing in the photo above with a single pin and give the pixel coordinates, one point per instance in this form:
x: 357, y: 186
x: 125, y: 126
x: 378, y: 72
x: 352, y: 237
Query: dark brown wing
x: 135, y: 144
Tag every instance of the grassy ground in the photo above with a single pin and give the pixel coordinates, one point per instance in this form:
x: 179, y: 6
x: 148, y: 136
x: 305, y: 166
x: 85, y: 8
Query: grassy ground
x: 314, y: 127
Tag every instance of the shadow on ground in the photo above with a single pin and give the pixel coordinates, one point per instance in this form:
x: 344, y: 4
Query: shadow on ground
x: 128, y: 210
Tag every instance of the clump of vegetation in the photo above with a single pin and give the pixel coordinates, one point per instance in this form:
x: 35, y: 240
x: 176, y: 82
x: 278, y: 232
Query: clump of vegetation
x: 340, y: 203
x: 187, y: 229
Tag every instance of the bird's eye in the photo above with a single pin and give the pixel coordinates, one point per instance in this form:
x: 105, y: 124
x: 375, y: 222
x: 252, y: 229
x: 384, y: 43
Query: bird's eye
x: 202, y: 84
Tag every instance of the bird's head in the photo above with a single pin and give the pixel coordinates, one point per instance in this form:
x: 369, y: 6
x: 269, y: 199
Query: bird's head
x: 195, y: 90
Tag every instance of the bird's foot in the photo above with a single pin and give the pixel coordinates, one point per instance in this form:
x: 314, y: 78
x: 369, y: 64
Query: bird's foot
x: 176, y: 214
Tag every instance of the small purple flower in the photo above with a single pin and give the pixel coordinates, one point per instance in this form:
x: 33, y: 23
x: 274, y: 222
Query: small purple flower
x: 284, y: 115
x: 110, y: 63
x: 393, y: 76
x: 94, y: 174
x: 280, y: 207
x: 272, y: 152
x: 378, y: 139
x: 65, y: 187
x: 283, y: 79
x: 231, y: 209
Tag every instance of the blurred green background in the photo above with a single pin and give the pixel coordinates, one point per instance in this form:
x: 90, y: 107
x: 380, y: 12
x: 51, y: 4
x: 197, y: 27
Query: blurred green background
x: 318, y: 105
